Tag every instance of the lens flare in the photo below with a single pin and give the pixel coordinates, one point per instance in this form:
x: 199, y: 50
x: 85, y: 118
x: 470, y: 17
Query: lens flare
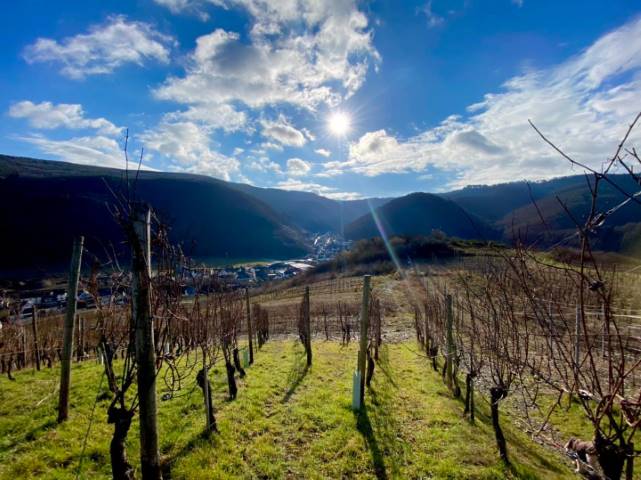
x: 339, y: 123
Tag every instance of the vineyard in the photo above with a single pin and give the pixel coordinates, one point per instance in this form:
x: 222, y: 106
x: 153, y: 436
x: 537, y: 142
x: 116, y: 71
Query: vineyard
x: 505, y: 364
x: 272, y: 416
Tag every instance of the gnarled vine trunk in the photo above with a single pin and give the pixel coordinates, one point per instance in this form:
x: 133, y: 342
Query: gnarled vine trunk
x: 433, y: 355
x: 237, y: 364
x: 611, y: 457
x: 121, y: 419
x: 469, y: 395
x: 231, y: 381
x: 200, y: 380
x: 496, y: 395
x: 370, y: 368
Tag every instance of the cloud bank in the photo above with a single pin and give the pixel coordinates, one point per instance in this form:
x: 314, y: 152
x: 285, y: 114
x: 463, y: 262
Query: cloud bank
x: 105, y: 48
x: 583, y: 104
x: 46, y: 115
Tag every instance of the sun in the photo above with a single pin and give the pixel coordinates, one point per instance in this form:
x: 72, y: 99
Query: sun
x: 339, y: 123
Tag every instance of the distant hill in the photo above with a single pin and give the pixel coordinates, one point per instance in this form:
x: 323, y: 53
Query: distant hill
x: 305, y: 210
x: 511, y: 207
x: 493, y: 202
x: 309, y: 211
x: 43, y: 205
x: 420, y: 214
x: 577, y: 198
x: 619, y: 233
x: 503, y: 202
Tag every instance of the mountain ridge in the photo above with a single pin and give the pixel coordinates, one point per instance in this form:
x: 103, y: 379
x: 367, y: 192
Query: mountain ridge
x: 420, y: 213
x: 57, y: 201
x: 43, y: 203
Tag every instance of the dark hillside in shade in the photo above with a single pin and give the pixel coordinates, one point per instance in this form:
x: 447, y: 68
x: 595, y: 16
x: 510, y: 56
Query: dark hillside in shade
x: 42, y: 209
x: 44, y: 204
x: 420, y: 214
x: 310, y: 211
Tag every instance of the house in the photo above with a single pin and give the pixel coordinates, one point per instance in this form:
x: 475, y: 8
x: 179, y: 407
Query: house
x: 245, y: 276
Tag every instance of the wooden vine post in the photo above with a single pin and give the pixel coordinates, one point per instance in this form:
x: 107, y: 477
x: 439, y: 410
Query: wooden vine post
x: 577, y: 337
x: 250, y: 335
x: 450, y: 342
x: 80, y: 347
x: 206, y: 393
x: 605, y: 337
x: 23, y: 339
x: 69, y: 326
x: 34, y: 331
x: 359, y: 377
x: 144, y: 342
x: 379, y: 333
x: 308, y: 328
x: 426, y: 321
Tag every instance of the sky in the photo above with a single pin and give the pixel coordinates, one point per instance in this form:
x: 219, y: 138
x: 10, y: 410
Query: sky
x: 345, y: 98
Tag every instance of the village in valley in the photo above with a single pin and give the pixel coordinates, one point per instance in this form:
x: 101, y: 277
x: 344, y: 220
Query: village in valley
x: 48, y: 295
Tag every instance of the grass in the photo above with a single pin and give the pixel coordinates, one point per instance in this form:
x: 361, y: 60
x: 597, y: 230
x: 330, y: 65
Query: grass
x: 287, y: 422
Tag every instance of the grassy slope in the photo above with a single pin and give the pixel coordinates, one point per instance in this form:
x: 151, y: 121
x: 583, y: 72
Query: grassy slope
x: 286, y: 423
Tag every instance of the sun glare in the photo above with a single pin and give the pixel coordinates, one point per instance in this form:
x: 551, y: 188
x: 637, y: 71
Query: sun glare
x: 339, y: 123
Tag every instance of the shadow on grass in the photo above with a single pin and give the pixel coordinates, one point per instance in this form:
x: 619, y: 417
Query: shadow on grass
x: 525, y: 450
x: 383, y: 366
x: 30, y: 435
x: 365, y: 427
x: 377, y: 424
x: 168, y: 461
x: 517, y: 448
x: 296, y: 376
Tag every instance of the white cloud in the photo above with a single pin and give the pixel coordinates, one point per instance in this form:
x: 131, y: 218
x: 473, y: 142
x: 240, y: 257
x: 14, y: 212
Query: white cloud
x: 310, y: 136
x: 297, y: 167
x: 185, y: 6
x: 265, y: 165
x: 299, y: 52
x: 583, y: 104
x: 105, y: 48
x: 329, y: 173
x: 283, y: 132
x: 189, y: 146
x: 322, y: 152
x: 433, y: 20
x: 244, y: 179
x: 325, y: 191
x: 99, y: 150
x: 222, y: 116
x: 46, y: 115
x: 271, y: 146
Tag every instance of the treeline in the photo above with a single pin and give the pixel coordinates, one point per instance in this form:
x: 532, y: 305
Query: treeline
x: 375, y: 256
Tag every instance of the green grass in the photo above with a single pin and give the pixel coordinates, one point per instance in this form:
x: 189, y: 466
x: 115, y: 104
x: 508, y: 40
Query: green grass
x: 287, y: 422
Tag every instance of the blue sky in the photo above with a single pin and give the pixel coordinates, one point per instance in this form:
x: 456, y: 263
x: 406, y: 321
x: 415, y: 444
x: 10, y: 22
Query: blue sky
x: 437, y: 94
